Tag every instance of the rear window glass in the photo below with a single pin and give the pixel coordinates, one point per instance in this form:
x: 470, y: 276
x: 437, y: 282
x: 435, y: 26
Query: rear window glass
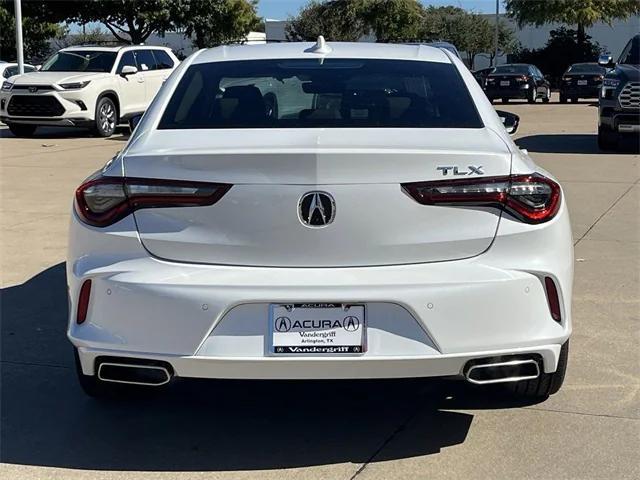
x: 305, y: 93
x: 586, y: 68
x: 519, y: 69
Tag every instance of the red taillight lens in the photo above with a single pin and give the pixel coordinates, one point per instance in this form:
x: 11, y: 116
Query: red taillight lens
x: 552, y: 297
x: 530, y: 198
x: 522, y: 78
x: 83, y: 302
x: 102, y: 201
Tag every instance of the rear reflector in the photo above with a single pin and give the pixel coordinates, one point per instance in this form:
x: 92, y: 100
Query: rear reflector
x: 83, y: 302
x: 530, y: 198
x: 553, y: 299
x: 102, y: 201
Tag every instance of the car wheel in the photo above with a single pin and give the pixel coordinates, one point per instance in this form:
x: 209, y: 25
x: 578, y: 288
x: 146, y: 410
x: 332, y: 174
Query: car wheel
x: 505, y: 100
x: 607, y: 140
x: 22, y: 130
x: 92, y: 385
x: 106, y: 117
x: 547, y: 383
x: 547, y: 96
x: 532, y: 95
x: 563, y: 98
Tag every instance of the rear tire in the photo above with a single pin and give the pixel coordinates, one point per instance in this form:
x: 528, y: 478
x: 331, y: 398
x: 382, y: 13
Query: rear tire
x: 531, y: 98
x: 547, y: 383
x: 607, y: 140
x: 563, y: 98
x: 22, y: 130
x: 547, y: 96
x: 90, y: 384
x: 106, y: 118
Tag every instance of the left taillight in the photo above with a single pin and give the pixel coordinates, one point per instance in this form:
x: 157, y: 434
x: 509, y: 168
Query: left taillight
x: 531, y: 198
x: 101, y: 200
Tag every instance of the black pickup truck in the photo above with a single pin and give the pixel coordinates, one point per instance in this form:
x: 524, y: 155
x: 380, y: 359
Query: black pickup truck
x: 619, y: 101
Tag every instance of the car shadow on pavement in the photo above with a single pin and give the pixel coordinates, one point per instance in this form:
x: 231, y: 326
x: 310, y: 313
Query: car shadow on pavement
x: 65, y: 132
x: 198, y: 425
x: 571, y: 143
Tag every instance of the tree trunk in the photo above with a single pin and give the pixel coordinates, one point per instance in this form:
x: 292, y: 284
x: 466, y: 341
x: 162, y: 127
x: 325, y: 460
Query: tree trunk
x: 582, y: 39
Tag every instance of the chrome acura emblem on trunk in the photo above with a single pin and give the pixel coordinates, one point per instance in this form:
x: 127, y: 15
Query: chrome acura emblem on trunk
x: 316, y: 209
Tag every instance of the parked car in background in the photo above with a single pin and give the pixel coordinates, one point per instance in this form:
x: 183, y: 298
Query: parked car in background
x: 84, y: 86
x: 482, y: 74
x: 8, y: 69
x: 380, y: 223
x: 517, y: 80
x: 581, y: 80
x: 619, y: 103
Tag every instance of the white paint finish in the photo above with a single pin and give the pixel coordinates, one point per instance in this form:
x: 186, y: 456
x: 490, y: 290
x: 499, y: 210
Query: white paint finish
x: 492, y: 302
x: 134, y: 92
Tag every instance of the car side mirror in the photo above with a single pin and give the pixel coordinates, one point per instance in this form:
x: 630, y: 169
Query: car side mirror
x: 511, y: 121
x: 134, y: 121
x: 606, y: 60
x: 128, y: 70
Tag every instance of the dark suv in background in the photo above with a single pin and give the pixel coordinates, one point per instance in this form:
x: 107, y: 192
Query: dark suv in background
x: 619, y: 106
x: 517, y: 80
x: 581, y: 80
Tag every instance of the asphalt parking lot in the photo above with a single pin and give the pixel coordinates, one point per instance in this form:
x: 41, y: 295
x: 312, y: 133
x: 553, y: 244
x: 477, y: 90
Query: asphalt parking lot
x: 406, y: 429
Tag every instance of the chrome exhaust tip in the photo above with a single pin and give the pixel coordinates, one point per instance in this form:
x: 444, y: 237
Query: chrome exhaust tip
x: 490, y: 372
x: 134, y: 373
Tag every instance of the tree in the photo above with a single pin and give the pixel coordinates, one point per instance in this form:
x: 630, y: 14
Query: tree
x: 582, y: 13
x: 92, y: 36
x: 394, y: 20
x: 129, y: 21
x: 214, y: 22
x: 35, y: 31
x: 560, y: 51
x: 336, y: 20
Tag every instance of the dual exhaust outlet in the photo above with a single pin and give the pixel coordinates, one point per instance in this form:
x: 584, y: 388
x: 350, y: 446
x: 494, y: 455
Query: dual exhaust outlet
x: 134, y: 372
x: 488, y: 371
x: 154, y: 374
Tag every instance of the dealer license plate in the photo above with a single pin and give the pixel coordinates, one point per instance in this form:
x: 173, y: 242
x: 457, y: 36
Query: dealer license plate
x: 317, y: 328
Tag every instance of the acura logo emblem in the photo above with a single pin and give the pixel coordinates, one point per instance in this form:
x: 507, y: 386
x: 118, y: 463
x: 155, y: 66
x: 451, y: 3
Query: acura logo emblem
x: 317, y: 209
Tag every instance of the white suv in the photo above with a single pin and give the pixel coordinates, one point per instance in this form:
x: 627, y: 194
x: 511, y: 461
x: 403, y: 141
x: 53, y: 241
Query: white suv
x: 96, y: 87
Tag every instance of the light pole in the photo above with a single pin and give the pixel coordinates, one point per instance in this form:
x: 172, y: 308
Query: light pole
x: 18, y: 9
x: 495, y: 36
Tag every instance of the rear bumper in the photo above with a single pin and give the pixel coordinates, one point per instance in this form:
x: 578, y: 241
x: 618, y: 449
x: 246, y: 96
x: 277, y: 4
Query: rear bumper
x: 512, y: 92
x: 270, y: 368
x: 422, y: 320
x: 589, y: 91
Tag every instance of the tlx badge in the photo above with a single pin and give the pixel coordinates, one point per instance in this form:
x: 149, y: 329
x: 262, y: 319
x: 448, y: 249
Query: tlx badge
x: 455, y: 170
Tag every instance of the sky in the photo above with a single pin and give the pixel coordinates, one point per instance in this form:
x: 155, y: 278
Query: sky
x: 281, y: 9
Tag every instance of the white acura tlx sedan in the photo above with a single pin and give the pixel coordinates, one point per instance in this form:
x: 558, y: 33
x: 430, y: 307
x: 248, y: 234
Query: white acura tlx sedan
x: 321, y: 211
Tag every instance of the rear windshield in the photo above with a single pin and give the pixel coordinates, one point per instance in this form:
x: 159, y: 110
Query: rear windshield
x: 309, y: 93
x: 586, y: 68
x: 519, y: 69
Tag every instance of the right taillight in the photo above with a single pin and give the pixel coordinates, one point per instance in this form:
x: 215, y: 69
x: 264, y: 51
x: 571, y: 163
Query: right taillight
x: 101, y: 201
x: 531, y: 198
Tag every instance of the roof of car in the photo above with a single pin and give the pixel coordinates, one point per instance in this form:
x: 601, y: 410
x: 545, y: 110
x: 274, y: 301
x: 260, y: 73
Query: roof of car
x: 293, y: 50
x: 99, y: 48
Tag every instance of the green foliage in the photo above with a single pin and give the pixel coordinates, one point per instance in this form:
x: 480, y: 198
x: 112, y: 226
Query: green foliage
x: 337, y: 20
x: 399, y: 21
x: 35, y: 32
x: 129, y: 21
x: 394, y: 20
x: 214, y: 22
x: 572, y: 12
x: 562, y: 49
